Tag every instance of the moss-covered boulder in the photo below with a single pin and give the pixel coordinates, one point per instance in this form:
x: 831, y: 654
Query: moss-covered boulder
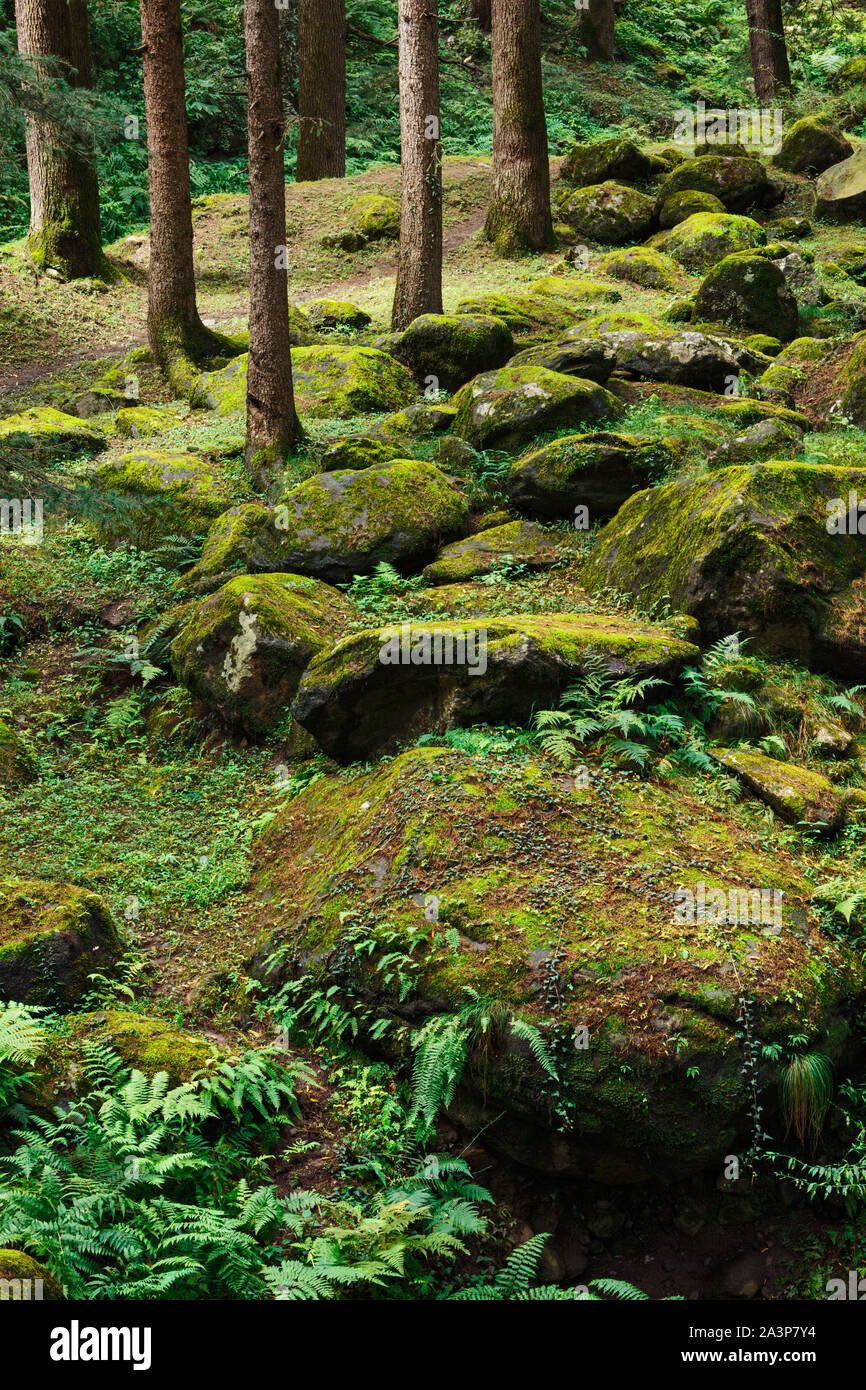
x: 754, y: 550
x: 360, y: 451
x: 336, y: 313
x: 797, y: 794
x: 768, y: 439
x: 94, y: 400
x: 595, y: 471
x: 739, y: 183
x: 621, y: 916
x: 52, y: 937
x: 749, y: 411
x: 749, y: 290
x: 682, y: 357
x: 301, y: 331
x: 840, y: 193
x: 446, y: 350
x: 575, y: 291
x: 851, y: 74
x: 17, y: 763
x: 618, y: 159
x: 678, y: 206
x: 640, y: 265
x: 154, y: 493
x: 141, y: 421
x: 589, y: 358
x: 23, y: 1279
x: 508, y: 408
x: 243, y: 649
x: 812, y: 145
x: 383, y: 686
x: 529, y: 316
x: 518, y: 542
x: 422, y: 420
x: 705, y: 238
x: 330, y: 382
x: 376, y: 217
x: 791, y: 368
x: 610, y: 213
x: 852, y: 384
x: 44, y: 434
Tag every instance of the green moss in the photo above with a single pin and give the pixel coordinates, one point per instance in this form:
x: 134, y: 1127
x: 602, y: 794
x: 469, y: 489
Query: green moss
x: 643, y: 266
x: 609, y: 213
x: 330, y: 382
x: 52, y: 936
x: 707, y: 237
x: 27, y: 1280
x: 140, y: 421
x: 750, y: 291
x: 43, y: 433
x: 335, y: 313
x: 678, y: 206
x: 154, y: 493
x: 529, y: 316
x: 510, y: 407
x: 376, y: 217
x: 17, y: 763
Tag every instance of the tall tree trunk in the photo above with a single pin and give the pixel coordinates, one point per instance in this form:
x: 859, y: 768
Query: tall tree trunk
x: 767, y: 43
x: 65, y: 234
x: 321, y: 89
x: 481, y: 10
x: 419, y: 263
x: 596, y: 29
x: 518, y: 219
x: 272, y: 424
x: 177, y: 336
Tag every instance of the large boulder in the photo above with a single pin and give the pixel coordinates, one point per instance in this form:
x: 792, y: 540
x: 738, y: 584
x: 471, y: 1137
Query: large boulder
x: 155, y: 493
x: 851, y: 74
x: 360, y: 451
x: 587, y: 909
x: 795, y: 365
x: 529, y: 316
x: 657, y: 352
x: 618, y: 159
x: 705, y: 238
x: 336, y: 313
x: 768, y: 439
x: 749, y: 290
x: 758, y: 550
x: 852, y: 384
x: 336, y: 525
x: 840, y: 193
x: 589, y: 358
x: 243, y: 650
x: 23, y: 1279
x: 382, y: 686
x: 739, y: 183
x: 329, y: 382
x: 609, y: 213
x: 596, y: 471
x: 812, y: 145
x: 376, y: 217
x: 44, y: 434
x: 678, y: 206
x: 450, y: 348
x: 520, y: 542
x: 643, y: 266
x: 796, y: 794
x: 52, y: 937
x: 508, y: 408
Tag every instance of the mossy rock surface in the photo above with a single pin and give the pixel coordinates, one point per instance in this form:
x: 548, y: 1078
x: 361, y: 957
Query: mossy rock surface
x: 301, y: 331
x: 360, y: 451
x: 797, y: 794
x: 744, y: 549
x: 376, y: 217
x: 529, y: 316
x: 793, y: 367
x: 678, y: 206
x: 330, y: 382
x: 508, y: 408
x: 242, y: 650
x: 336, y: 313
x: 17, y: 763
x: 589, y: 358
x: 705, y: 238
x: 840, y: 193
x: 768, y: 439
x: 386, y: 685
x: 750, y: 291
x: 851, y: 74
x: 52, y: 936
x: 518, y: 542
x: 141, y: 421
x: 618, y: 159
x: 610, y: 213
x: 749, y: 411
x: 42, y: 434
x: 23, y: 1279
x: 852, y: 384
x: 443, y: 351
x: 595, y: 471
x: 640, y: 265
x: 95, y: 400
x: 740, y: 184
x: 418, y: 421
x: 681, y: 357
x: 154, y: 493
x: 575, y: 290
x: 518, y: 858
x: 812, y: 145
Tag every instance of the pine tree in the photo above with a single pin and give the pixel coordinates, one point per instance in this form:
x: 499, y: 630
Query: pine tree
x: 419, y: 265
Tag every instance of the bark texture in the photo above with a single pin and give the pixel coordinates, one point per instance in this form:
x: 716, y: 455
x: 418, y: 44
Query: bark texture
x: 419, y: 262
x: 321, y: 90
x: 272, y: 424
x: 769, y: 52
x: 481, y: 10
x: 596, y: 29
x: 519, y: 218
x: 65, y: 234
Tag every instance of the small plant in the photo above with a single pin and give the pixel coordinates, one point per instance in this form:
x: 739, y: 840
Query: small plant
x: 806, y: 1090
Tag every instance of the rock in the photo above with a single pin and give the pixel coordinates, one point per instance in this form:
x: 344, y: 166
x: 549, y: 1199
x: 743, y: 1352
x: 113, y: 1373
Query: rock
x: 329, y: 382
x: 796, y: 794
x: 155, y: 493
x: 610, y: 213
x: 336, y: 525
x: 489, y: 836
x: 140, y: 421
x: 377, y: 218
x: 52, y: 937
x: 749, y: 550
x: 597, y: 471
x: 22, y: 1279
x: 17, y: 763
x: 749, y: 290
x: 801, y: 277
x: 740, y: 184
x: 745, y: 411
x: 764, y: 343
x: 788, y: 228
x: 506, y: 409
x: 528, y: 316
x: 418, y: 421
x: 617, y: 159
x: 575, y: 291
x: 851, y: 74
x: 643, y: 266
x: 706, y: 238
x: 684, y: 357
x: 768, y: 439
x: 301, y: 331
x: 450, y: 348
x: 360, y: 451
x: 456, y: 456
x: 43, y: 434
x: 812, y: 145
x: 589, y: 358
x: 349, y: 240
x: 335, y: 313
x: 831, y: 739
x: 97, y: 400
x: 840, y: 193
x: 678, y: 206
x: 740, y: 1278
x: 852, y: 384
x: 518, y: 541
x: 242, y: 650
x: 358, y: 705
x: 794, y: 366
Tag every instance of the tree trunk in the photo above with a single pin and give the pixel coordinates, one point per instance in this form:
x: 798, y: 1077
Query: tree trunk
x: 518, y: 219
x: 65, y: 234
x: 596, y: 29
x: 767, y: 43
x: 481, y: 11
x: 272, y: 425
x: 321, y: 90
x: 419, y: 262
x: 176, y: 334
